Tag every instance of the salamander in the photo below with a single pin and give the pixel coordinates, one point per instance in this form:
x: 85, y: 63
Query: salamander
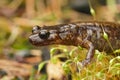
x: 87, y: 34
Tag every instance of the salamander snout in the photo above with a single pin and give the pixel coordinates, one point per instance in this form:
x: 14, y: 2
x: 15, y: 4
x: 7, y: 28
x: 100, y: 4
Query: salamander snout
x: 30, y: 40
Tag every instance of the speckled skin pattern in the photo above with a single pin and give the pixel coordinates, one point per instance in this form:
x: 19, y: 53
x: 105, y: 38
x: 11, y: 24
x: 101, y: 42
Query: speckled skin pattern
x: 87, y: 34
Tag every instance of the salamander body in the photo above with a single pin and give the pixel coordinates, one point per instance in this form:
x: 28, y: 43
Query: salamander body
x: 87, y: 34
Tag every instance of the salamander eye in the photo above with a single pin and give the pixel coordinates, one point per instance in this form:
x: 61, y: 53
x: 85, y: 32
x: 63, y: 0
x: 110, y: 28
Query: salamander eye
x: 35, y: 29
x: 44, y: 35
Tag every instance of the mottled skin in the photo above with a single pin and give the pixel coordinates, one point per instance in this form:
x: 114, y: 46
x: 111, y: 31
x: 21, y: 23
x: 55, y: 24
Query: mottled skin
x: 87, y: 34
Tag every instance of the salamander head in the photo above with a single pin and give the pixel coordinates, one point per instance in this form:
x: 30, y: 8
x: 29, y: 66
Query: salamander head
x: 42, y: 36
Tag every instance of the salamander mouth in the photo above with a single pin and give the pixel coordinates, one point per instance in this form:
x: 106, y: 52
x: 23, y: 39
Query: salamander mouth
x: 36, y: 41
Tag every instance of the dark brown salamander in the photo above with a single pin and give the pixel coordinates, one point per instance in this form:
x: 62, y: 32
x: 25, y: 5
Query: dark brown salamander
x: 87, y: 34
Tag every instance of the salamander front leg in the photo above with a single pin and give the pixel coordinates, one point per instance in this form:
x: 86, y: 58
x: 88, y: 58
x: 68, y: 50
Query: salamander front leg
x: 90, y: 53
